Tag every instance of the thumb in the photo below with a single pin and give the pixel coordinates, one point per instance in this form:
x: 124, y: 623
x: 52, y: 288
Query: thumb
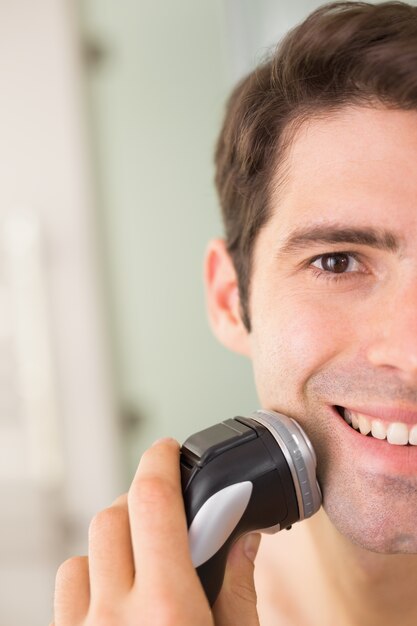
x: 236, y: 603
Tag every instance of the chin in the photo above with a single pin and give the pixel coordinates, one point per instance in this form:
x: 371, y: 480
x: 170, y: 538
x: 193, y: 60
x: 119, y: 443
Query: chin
x: 374, y: 522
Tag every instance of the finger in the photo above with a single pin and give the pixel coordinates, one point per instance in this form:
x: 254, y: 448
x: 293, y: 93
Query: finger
x: 120, y: 500
x: 158, y: 522
x: 72, y: 592
x: 110, y: 554
x: 236, y: 603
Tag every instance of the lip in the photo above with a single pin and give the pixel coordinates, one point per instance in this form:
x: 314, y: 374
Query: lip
x: 387, y: 414
x: 373, y: 455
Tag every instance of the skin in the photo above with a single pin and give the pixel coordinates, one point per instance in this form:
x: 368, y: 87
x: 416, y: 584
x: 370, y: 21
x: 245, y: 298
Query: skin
x: 349, y: 340
x: 138, y: 569
x: 315, y: 342
x: 318, y: 342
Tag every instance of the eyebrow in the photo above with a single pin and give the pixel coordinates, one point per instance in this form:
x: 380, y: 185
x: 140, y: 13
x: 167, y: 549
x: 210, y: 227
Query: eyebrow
x: 302, y: 238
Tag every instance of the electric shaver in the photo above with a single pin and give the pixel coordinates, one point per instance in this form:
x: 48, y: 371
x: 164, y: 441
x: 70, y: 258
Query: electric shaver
x: 245, y: 474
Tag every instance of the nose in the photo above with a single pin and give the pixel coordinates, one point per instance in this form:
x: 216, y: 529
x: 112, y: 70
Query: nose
x: 394, y: 333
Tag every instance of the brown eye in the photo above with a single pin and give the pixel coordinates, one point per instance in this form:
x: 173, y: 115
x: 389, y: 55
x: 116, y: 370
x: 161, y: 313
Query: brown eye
x: 336, y: 263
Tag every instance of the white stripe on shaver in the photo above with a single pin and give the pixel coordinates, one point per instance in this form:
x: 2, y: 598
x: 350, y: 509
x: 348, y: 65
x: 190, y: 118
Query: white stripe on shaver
x: 216, y: 520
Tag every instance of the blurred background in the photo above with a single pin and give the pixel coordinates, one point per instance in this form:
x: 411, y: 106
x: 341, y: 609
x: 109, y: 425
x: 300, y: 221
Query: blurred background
x: 109, y: 113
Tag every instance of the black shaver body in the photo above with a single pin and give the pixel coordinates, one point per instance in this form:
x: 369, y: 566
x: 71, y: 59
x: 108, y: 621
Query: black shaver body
x: 245, y: 474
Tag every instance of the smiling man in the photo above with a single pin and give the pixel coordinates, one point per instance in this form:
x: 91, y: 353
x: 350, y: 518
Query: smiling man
x: 316, y: 283
x: 333, y: 315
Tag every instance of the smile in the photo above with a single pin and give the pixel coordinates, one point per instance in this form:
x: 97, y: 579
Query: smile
x: 395, y: 433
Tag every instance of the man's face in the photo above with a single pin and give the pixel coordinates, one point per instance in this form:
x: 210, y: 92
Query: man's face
x: 342, y: 330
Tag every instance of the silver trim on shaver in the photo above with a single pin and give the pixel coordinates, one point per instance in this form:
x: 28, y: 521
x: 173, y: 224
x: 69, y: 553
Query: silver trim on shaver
x: 299, y: 455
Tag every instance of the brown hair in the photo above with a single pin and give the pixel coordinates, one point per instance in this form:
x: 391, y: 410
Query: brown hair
x: 344, y: 53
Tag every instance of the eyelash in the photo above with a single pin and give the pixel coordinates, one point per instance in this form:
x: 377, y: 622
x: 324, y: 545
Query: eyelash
x: 333, y: 276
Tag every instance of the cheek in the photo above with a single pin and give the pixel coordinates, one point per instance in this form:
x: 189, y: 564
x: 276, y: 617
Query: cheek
x: 291, y: 342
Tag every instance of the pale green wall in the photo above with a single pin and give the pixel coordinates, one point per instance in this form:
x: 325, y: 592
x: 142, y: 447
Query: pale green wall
x: 157, y: 101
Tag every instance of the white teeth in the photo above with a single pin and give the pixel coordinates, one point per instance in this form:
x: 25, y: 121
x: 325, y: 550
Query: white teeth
x: 413, y: 436
x: 347, y: 417
x: 354, y: 420
x: 396, y: 433
x: 379, y: 430
x: 364, y: 424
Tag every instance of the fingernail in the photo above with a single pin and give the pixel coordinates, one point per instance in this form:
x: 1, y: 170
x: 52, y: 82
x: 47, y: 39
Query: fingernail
x: 168, y: 440
x: 251, y: 545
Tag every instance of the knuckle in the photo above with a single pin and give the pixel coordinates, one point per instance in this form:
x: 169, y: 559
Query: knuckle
x: 150, y: 491
x: 105, y: 521
x: 70, y: 569
x: 104, y: 615
x: 120, y: 501
x: 172, y: 611
x: 245, y: 593
x: 167, y: 614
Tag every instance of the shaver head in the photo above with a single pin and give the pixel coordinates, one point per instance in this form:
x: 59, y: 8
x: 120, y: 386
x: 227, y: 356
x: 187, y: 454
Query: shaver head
x: 242, y: 475
x: 300, y: 456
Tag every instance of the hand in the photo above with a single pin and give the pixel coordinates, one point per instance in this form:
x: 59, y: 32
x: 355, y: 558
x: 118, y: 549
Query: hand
x: 139, y: 572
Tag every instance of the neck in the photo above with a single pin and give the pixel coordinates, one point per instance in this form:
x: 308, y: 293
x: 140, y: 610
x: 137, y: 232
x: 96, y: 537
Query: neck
x: 365, y: 587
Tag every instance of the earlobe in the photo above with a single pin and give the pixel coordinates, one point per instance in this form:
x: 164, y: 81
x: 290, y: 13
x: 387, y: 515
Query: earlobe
x: 222, y: 298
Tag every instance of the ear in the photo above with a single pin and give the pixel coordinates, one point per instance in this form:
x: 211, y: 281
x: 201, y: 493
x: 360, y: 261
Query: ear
x: 222, y: 298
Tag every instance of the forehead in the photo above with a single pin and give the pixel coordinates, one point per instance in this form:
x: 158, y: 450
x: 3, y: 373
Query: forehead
x: 357, y: 164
